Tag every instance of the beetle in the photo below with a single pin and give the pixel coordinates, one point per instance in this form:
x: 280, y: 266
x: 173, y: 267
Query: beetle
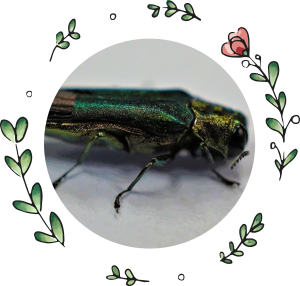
x: 159, y: 122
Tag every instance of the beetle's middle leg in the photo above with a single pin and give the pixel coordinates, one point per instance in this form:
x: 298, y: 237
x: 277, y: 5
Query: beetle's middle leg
x: 159, y: 160
x: 211, y: 161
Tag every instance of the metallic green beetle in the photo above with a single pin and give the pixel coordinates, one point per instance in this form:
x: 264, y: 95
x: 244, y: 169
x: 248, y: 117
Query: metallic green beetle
x: 147, y: 121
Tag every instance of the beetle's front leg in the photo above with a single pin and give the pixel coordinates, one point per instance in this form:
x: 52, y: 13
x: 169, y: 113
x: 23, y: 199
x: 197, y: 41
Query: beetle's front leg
x: 159, y: 160
x: 204, y: 147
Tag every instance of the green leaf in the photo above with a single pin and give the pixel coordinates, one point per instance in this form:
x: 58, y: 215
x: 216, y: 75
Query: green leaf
x: 250, y: 242
x: 24, y: 207
x: 75, y: 36
x: 129, y: 273
x: 37, y: 196
x: 152, y: 7
x: 231, y: 246
x: 238, y: 253
x: 57, y: 227
x: 188, y: 7
x: 274, y: 125
x: 271, y: 99
x: 155, y: 14
x: 115, y: 270
x: 8, y: 130
x: 257, y: 77
x: 290, y: 157
x: 257, y: 220
x: 277, y: 164
x: 171, y: 4
x: 170, y: 12
x: 258, y: 228
x: 186, y: 17
x: 111, y: 277
x: 72, y: 25
x: 221, y: 255
x: 43, y: 237
x: 282, y: 100
x: 25, y: 161
x: 273, y: 73
x: 59, y: 37
x: 64, y: 45
x: 243, y: 231
x: 228, y: 261
x: 130, y: 282
x: 21, y: 128
x: 12, y: 164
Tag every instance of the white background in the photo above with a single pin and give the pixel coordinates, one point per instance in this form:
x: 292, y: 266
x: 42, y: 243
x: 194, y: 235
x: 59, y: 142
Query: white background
x: 170, y: 204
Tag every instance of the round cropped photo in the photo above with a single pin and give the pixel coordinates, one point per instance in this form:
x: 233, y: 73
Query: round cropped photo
x: 149, y: 143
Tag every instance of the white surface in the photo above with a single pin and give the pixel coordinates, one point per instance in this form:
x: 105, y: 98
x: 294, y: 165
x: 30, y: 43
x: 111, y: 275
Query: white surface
x: 170, y: 204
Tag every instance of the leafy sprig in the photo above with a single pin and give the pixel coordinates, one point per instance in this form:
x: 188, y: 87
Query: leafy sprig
x: 60, y: 39
x: 20, y: 167
x: 249, y: 242
x: 172, y: 9
x: 131, y: 279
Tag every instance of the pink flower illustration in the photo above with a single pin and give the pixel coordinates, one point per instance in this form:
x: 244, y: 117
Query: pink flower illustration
x: 238, y: 44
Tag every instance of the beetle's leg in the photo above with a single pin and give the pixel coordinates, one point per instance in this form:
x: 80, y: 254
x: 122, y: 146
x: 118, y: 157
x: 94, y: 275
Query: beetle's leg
x: 159, y: 160
x: 79, y: 160
x: 211, y: 161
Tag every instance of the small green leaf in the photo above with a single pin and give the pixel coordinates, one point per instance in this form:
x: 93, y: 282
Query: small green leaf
x: 257, y: 220
x: 170, y: 12
x: 257, y: 77
x: 155, y: 14
x: 171, y: 4
x: 152, y: 7
x: 243, y: 231
x: 25, y: 161
x: 186, y: 17
x: 57, y: 227
x: 115, y: 270
x: 274, y: 125
x: 250, y: 242
x: 258, y: 228
x: 271, y: 99
x: 12, y: 164
x: 21, y: 128
x: 231, y: 246
x: 64, y: 45
x: 111, y: 277
x: 290, y: 157
x: 273, y: 73
x: 37, y: 196
x: 188, y: 7
x: 130, y: 282
x: 72, y: 25
x: 129, y: 273
x: 59, y: 37
x: 43, y: 237
x: 75, y: 36
x: 228, y: 261
x: 8, y: 130
x: 277, y: 164
x: 221, y: 255
x: 282, y: 100
x: 238, y: 253
x: 24, y: 207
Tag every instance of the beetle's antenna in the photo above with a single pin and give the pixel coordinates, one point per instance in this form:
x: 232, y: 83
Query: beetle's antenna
x: 239, y: 158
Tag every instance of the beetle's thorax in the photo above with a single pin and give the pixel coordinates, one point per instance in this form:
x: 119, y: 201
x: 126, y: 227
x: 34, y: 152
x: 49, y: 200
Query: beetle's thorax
x: 212, y: 125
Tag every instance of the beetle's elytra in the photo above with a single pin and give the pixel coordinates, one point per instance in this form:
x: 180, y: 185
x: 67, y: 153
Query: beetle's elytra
x: 147, y: 121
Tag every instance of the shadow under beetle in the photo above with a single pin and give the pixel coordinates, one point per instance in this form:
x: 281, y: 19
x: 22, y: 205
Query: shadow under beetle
x: 147, y: 121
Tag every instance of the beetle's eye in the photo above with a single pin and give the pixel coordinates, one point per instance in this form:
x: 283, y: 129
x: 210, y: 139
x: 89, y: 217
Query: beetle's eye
x: 238, y: 141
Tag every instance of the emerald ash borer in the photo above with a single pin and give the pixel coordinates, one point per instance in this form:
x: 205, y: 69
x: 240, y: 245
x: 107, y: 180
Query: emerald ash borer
x: 160, y: 122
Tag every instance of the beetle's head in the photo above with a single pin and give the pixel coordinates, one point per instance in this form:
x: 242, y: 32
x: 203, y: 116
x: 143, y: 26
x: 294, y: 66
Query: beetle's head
x: 223, y: 130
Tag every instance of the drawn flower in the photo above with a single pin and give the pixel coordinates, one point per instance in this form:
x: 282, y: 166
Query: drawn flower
x: 238, y: 44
